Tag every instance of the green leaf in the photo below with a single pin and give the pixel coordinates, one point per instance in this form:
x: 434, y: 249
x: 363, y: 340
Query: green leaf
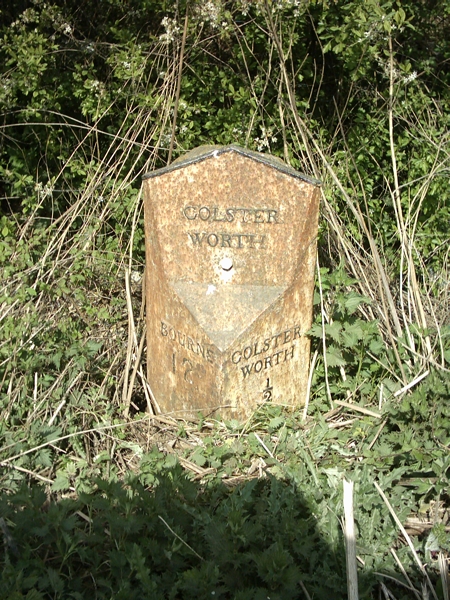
x: 61, y: 482
x: 353, y: 300
x: 55, y: 580
x: 44, y: 458
x: 333, y: 330
x: 276, y: 422
x: 93, y: 347
x: 34, y: 595
x: 198, y: 457
x: 334, y: 357
x: 351, y: 334
x: 316, y: 331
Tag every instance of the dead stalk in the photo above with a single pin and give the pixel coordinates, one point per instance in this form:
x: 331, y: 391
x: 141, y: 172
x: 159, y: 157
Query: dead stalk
x: 407, y: 538
x: 350, y: 542
x: 177, y: 94
x: 309, y: 140
x: 324, y: 343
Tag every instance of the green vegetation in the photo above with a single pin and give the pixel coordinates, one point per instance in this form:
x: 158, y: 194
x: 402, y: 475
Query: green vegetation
x: 95, y: 504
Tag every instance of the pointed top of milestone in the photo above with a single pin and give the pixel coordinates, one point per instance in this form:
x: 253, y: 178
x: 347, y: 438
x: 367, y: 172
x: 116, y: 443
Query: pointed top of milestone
x: 202, y: 153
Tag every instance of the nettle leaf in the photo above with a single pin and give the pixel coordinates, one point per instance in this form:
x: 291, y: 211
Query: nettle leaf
x: 135, y: 448
x: 34, y: 595
x: 376, y: 346
x: 276, y: 422
x: 52, y: 434
x: 198, y: 457
x: 44, y: 458
x: 55, y: 580
x: 93, y: 347
x: 353, y: 300
x: 102, y: 457
x: 170, y: 461
x: 334, y: 357
x: 334, y: 330
x: 315, y: 331
x: 334, y: 477
x: 391, y: 386
x: 447, y: 356
x: 56, y: 359
x: 351, y: 334
x: 431, y: 545
x: 61, y: 482
x: 137, y: 563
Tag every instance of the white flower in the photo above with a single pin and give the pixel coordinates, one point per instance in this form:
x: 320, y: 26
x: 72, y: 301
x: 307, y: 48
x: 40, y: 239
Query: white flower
x: 165, y: 140
x: 410, y: 77
x: 172, y: 29
x: 209, y: 12
x: 44, y: 191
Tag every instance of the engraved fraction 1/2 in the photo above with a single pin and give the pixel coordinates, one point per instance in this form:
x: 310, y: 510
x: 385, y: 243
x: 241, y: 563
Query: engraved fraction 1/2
x: 188, y: 368
x: 267, y: 392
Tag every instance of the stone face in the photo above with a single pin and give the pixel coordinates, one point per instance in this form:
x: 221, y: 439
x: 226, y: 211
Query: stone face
x: 230, y: 251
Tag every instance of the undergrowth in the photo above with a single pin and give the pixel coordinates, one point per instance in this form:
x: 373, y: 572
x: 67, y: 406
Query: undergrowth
x: 100, y: 496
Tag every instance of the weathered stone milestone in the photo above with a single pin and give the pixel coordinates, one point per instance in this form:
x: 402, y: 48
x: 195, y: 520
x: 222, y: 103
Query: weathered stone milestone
x: 230, y: 251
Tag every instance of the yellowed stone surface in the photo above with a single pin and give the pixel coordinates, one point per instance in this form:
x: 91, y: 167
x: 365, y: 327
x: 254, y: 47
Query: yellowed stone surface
x: 230, y: 251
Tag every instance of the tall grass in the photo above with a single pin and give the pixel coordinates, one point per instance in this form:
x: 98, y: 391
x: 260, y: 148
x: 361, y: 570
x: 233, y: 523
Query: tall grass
x: 73, y: 357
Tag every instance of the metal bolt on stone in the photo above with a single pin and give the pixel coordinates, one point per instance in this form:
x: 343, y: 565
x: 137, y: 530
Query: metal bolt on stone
x: 230, y: 255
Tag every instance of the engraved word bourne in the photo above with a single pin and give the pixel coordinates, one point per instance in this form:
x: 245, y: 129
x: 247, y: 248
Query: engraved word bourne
x: 230, y: 255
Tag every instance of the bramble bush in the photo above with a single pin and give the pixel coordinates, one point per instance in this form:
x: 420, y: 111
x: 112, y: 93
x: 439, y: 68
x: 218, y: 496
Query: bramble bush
x: 353, y: 93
